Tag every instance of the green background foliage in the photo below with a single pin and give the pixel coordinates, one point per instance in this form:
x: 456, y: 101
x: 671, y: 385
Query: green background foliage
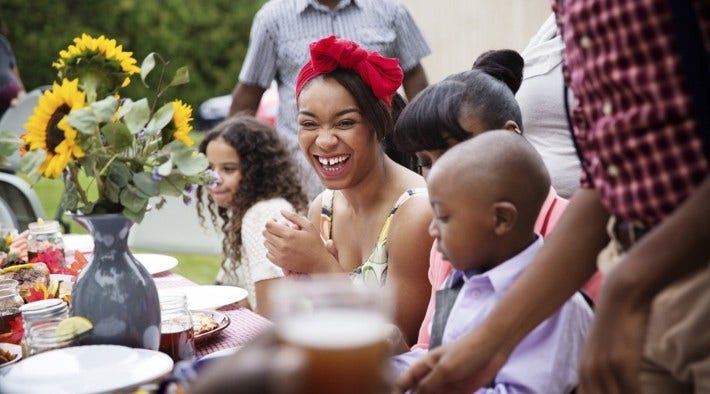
x: 210, y: 37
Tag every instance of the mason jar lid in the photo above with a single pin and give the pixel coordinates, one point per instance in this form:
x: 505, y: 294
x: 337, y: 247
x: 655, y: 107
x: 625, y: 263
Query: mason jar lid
x: 49, y: 226
x: 43, y: 308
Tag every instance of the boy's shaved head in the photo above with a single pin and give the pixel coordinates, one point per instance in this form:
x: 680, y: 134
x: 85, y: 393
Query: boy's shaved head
x: 501, y: 164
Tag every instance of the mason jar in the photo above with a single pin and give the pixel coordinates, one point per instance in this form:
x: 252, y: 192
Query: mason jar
x: 38, y: 311
x: 10, y: 303
x: 45, y: 237
x: 43, y: 337
x: 177, y: 338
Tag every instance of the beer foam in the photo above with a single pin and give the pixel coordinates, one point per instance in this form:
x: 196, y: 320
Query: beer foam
x: 334, y: 329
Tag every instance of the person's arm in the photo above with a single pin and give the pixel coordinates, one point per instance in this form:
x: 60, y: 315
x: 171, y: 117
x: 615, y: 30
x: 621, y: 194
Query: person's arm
x: 414, y: 81
x: 262, y: 271
x: 676, y: 248
x: 408, y: 245
x: 566, y: 261
x: 295, y: 244
x: 246, y: 98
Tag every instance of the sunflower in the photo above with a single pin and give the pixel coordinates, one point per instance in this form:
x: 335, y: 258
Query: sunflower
x: 101, y: 65
x: 182, y: 116
x: 48, y: 128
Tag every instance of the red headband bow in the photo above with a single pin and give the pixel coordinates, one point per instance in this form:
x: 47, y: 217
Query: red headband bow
x: 382, y: 74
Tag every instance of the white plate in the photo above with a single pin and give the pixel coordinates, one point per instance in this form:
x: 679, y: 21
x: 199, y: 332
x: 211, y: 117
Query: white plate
x: 156, y: 263
x: 221, y: 353
x: 14, y: 349
x: 86, y: 369
x: 208, y: 297
x: 84, y: 243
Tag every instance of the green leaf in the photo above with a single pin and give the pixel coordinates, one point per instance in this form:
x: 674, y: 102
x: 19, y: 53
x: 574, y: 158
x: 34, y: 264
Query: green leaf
x: 111, y: 191
x: 146, y: 184
x: 9, y: 143
x: 188, y: 160
x: 182, y: 76
x: 147, y: 66
x: 32, y: 160
x: 119, y: 174
x: 137, y: 116
x: 70, y: 197
x: 136, y: 216
x: 133, y: 200
x: 172, y: 185
x: 163, y: 116
x: 105, y: 109
x: 117, y: 135
x: 166, y: 168
x: 84, y: 120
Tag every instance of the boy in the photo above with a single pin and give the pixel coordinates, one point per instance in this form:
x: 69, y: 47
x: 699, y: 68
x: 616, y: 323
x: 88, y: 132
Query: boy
x: 486, y: 193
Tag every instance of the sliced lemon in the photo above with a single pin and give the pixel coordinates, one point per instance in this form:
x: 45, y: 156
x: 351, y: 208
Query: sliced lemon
x: 73, y: 326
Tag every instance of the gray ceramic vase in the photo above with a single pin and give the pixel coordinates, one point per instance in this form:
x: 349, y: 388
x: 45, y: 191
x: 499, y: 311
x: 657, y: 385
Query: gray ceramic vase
x: 114, y: 290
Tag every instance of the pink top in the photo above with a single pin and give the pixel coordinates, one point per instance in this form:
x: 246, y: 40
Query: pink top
x: 439, y: 268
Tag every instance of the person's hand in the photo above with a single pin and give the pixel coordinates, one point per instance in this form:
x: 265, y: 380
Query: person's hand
x: 297, y: 246
x: 265, y: 366
x: 458, y: 367
x: 19, y: 245
x: 612, y: 353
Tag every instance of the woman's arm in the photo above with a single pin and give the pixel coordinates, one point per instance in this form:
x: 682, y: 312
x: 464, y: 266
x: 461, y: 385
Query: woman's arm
x: 566, y: 261
x: 295, y: 244
x: 408, y: 246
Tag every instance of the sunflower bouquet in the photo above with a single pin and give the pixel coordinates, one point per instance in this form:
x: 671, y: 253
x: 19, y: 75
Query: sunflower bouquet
x: 114, y: 153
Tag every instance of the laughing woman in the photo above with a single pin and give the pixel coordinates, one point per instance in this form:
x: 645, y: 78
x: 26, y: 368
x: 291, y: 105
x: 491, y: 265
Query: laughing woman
x: 372, y: 219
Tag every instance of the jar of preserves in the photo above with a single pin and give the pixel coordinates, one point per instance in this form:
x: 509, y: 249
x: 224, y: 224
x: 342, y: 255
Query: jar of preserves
x: 38, y: 311
x: 177, y: 338
x: 10, y: 303
x: 45, y: 241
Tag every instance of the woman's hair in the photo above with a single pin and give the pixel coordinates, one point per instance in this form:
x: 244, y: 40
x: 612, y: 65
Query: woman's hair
x: 486, y: 92
x: 375, y: 112
x: 267, y: 172
x: 406, y: 159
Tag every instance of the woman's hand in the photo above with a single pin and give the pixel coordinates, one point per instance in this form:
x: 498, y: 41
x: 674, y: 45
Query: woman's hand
x: 297, y: 246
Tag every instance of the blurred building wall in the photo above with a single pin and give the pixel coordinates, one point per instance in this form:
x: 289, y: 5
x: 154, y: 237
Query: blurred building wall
x: 459, y: 30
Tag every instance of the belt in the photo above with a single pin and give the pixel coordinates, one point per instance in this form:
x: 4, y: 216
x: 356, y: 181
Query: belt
x: 628, y: 233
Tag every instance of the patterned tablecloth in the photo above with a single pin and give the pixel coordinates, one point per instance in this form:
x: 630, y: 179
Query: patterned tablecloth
x: 245, y: 325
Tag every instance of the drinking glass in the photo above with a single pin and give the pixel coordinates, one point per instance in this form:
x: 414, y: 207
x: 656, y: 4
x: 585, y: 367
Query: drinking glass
x: 340, y: 327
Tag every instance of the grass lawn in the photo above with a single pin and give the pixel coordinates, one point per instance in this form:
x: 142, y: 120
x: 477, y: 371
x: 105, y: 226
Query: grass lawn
x: 201, y: 269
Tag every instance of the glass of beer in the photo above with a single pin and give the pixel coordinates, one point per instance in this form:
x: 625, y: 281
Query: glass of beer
x: 342, y: 328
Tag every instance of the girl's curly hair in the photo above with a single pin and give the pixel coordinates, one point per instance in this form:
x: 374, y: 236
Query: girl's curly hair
x: 267, y: 172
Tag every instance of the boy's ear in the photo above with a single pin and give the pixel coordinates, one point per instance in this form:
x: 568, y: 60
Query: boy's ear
x: 506, y: 214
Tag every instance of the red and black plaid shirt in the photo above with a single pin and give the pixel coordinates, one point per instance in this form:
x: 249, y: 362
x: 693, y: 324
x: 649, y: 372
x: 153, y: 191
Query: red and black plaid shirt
x: 634, y: 122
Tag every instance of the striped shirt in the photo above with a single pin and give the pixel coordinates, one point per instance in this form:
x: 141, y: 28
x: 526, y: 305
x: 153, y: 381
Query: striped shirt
x: 283, y: 29
x: 634, y: 121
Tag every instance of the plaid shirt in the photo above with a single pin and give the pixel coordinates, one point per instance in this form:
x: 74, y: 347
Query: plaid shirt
x: 634, y: 122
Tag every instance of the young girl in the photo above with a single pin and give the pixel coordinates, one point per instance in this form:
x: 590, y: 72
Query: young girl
x: 374, y: 213
x: 256, y: 180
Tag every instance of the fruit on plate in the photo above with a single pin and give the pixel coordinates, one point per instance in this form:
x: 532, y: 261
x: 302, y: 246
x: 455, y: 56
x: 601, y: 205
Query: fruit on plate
x: 203, y: 322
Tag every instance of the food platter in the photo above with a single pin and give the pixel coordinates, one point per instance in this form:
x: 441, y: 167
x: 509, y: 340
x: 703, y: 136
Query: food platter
x: 221, y: 319
x: 11, y: 348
